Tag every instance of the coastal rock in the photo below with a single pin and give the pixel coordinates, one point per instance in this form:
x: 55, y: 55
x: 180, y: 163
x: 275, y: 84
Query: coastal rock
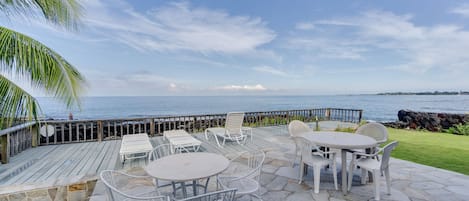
x: 427, y: 120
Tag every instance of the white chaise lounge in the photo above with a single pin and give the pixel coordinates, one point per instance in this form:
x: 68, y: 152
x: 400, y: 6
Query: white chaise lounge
x: 180, y: 138
x: 233, y: 130
x: 135, y: 146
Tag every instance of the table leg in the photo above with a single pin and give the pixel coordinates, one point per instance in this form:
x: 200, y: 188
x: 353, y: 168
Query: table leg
x: 184, y: 190
x: 344, y: 171
x: 194, y: 187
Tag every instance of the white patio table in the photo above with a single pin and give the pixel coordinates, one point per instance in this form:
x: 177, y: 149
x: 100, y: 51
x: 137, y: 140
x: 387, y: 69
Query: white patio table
x: 187, y: 167
x: 342, y: 141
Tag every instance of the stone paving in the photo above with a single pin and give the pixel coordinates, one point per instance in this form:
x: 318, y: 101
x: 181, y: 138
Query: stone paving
x: 410, y: 181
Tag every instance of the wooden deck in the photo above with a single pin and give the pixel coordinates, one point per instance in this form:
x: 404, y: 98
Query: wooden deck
x: 56, y: 165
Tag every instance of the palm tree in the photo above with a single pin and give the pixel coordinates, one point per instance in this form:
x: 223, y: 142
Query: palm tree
x: 31, y: 61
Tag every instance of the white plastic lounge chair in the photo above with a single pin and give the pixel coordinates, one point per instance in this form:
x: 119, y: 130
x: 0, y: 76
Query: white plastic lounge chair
x: 121, y: 186
x: 232, y: 130
x: 317, y: 160
x: 135, y: 146
x: 180, y: 138
x: 224, y: 195
x: 244, y: 174
x: 295, y: 129
x: 372, y: 163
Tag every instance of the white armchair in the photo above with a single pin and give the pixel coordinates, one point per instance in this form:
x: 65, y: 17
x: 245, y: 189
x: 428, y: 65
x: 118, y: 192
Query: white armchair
x: 244, y: 173
x: 120, y: 187
x: 371, y: 162
x: 317, y: 160
x: 295, y: 129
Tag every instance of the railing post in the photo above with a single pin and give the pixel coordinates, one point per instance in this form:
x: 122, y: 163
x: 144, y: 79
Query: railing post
x: 100, y: 130
x: 360, y: 116
x: 5, y: 142
x: 35, y: 135
x: 328, y: 114
x: 152, y: 127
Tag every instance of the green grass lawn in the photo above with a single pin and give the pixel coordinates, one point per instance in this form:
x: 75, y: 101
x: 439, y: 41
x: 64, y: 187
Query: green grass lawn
x: 446, y: 151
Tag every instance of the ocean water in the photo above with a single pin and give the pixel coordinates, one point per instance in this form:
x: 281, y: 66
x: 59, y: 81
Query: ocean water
x: 376, y: 107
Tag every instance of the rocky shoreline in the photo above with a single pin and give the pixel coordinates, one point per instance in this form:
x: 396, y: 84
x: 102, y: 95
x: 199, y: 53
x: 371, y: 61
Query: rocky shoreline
x: 427, y: 120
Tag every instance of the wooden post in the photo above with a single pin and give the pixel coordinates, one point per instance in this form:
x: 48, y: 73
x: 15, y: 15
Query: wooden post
x: 34, y: 135
x: 100, y: 130
x: 328, y: 114
x: 5, y: 151
x: 152, y: 127
x: 360, y: 116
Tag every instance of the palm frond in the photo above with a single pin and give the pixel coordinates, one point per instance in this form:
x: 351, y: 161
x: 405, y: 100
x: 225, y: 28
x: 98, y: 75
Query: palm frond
x: 31, y: 60
x: 66, y: 13
x: 15, y: 104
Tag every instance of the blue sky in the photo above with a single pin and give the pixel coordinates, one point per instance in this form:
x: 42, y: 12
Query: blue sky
x: 302, y: 47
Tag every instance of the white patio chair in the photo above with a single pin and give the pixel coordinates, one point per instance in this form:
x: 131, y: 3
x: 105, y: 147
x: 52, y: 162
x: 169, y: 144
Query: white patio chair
x: 372, y: 163
x: 244, y: 174
x: 224, y: 195
x: 163, y: 150
x: 295, y: 129
x: 317, y: 160
x: 374, y: 130
x: 121, y: 186
x: 232, y: 130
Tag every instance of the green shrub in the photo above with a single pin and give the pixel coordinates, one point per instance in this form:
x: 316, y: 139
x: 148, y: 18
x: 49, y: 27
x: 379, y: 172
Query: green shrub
x: 345, y: 129
x: 460, y: 129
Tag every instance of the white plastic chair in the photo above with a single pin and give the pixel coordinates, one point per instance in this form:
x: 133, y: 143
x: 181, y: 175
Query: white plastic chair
x: 244, y: 173
x: 232, y: 130
x: 318, y: 161
x: 374, y: 130
x: 371, y: 162
x: 224, y: 195
x: 119, y: 188
x: 295, y: 129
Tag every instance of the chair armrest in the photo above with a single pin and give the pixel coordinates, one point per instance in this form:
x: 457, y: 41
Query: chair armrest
x: 378, y: 150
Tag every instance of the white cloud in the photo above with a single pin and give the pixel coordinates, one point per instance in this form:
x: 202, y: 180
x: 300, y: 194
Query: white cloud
x: 304, y: 26
x: 328, y: 48
x: 461, y: 10
x: 419, y: 47
x: 257, y: 87
x: 271, y: 70
x: 178, y: 26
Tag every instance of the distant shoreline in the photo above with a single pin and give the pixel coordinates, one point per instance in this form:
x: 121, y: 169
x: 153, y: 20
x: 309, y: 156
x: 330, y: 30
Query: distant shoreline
x: 427, y: 93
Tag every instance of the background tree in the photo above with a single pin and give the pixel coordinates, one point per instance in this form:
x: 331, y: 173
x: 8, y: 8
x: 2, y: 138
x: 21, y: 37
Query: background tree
x: 33, y: 62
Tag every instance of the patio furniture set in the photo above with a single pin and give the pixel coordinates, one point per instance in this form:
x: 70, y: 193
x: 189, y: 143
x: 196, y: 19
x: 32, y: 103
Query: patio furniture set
x: 179, y: 164
x: 364, y: 146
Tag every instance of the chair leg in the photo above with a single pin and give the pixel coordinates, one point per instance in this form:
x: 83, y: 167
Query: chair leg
x: 350, y: 176
x: 376, y: 177
x: 296, y: 155
x: 206, y: 134
x: 388, y: 180
x: 364, y: 176
x: 317, y: 175
x: 302, y: 165
x: 334, y: 173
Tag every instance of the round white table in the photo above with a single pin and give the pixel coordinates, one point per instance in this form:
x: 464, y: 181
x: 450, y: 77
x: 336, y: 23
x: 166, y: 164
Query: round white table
x: 187, y: 167
x: 342, y: 141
